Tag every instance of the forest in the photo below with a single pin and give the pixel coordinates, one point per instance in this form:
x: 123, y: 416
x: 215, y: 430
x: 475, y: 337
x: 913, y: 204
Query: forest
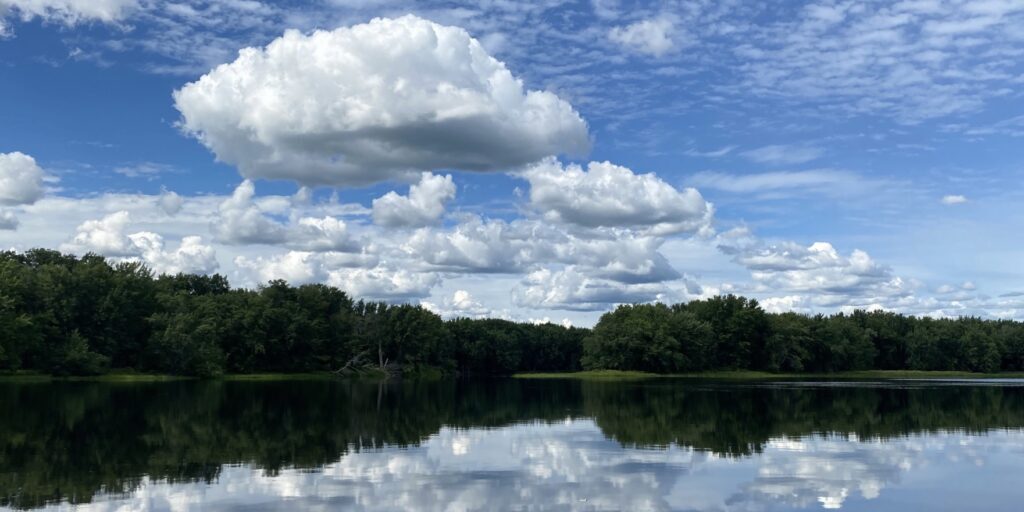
x: 66, y: 315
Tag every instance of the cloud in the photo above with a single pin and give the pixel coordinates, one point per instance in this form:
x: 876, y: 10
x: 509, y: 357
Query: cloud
x: 494, y: 246
x: 8, y: 221
x: 608, y: 195
x: 296, y: 267
x: 953, y: 200
x: 107, y: 237
x: 322, y: 234
x: 654, y: 36
x: 571, y: 289
x: 783, y: 154
x: 170, y: 202
x: 423, y: 206
x: 716, y: 153
x: 383, y: 283
x: 240, y: 221
x: 21, y: 180
x: 460, y: 305
x: 67, y: 12
x: 303, y: 108
x: 191, y: 256
x: 148, y: 170
x: 473, y: 245
x: 911, y: 61
x: 104, y: 236
x: 816, y: 275
x: 821, y: 179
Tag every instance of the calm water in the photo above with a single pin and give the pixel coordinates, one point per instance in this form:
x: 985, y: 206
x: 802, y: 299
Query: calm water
x: 513, y: 445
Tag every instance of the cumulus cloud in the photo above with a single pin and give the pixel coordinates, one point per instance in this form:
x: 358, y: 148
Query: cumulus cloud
x: 460, y: 305
x: 68, y: 12
x: 655, y: 36
x: 424, y: 205
x: 191, y: 256
x: 476, y: 245
x: 243, y: 220
x: 384, y: 283
x: 108, y: 237
x: 21, y: 179
x: 571, y: 289
x: 818, y: 270
x: 240, y: 221
x: 303, y: 107
x: 322, y: 234
x: 473, y: 245
x: 104, y: 236
x: 608, y: 195
x: 954, y: 199
x: 296, y: 267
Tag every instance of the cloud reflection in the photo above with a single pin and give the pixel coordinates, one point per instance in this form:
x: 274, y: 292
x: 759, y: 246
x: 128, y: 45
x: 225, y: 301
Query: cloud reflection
x: 572, y: 465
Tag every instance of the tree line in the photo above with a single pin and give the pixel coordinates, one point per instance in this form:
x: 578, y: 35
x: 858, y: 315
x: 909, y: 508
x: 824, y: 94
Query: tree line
x: 65, y: 315
x: 730, y: 332
x: 68, y: 315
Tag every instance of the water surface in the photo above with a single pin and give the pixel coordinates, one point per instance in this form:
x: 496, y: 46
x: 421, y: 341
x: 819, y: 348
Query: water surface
x: 513, y: 445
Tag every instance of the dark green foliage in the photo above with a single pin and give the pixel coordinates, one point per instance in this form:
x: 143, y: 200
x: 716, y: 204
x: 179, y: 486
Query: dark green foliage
x: 83, y: 316
x: 726, y: 333
x: 646, y: 337
x: 65, y: 315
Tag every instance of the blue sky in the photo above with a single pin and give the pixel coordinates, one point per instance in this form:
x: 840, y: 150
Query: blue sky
x: 841, y: 154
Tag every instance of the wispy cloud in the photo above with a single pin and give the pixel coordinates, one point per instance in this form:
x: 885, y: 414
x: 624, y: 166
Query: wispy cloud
x: 820, y: 179
x: 780, y: 154
x: 716, y: 153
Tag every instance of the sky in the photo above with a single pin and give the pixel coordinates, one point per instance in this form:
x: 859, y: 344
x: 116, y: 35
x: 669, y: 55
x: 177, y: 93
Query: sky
x: 531, y: 160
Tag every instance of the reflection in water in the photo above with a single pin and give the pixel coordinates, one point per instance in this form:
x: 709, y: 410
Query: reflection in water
x: 509, y: 444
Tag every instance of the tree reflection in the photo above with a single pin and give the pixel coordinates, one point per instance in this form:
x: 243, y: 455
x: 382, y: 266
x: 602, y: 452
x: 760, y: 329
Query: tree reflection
x: 70, y: 441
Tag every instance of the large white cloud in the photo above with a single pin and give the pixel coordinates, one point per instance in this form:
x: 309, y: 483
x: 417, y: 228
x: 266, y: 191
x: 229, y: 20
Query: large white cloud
x: 191, y: 257
x: 609, y: 195
x: 108, y: 237
x: 424, y: 205
x: 819, y: 271
x: 21, y: 179
x: 244, y: 220
x: 104, y: 236
x: 68, y: 12
x: 461, y: 304
x: 373, y: 102
x: 241, y: 221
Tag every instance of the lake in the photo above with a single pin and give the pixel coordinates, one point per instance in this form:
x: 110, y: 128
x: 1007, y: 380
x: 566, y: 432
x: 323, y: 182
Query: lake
x: 509, y: 444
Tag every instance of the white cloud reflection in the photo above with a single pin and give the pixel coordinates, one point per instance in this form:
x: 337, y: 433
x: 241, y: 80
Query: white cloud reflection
x: 573, y: 466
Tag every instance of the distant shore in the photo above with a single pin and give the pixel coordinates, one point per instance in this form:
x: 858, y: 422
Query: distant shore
x: 754, y: 375
x: 743, y: 375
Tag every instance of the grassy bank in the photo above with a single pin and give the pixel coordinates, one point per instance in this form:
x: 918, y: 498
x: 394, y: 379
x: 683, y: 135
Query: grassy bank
x: 754, y: 375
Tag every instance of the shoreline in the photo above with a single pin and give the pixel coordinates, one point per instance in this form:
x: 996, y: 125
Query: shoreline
x: 607, y: 375
x: 751, y: 375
